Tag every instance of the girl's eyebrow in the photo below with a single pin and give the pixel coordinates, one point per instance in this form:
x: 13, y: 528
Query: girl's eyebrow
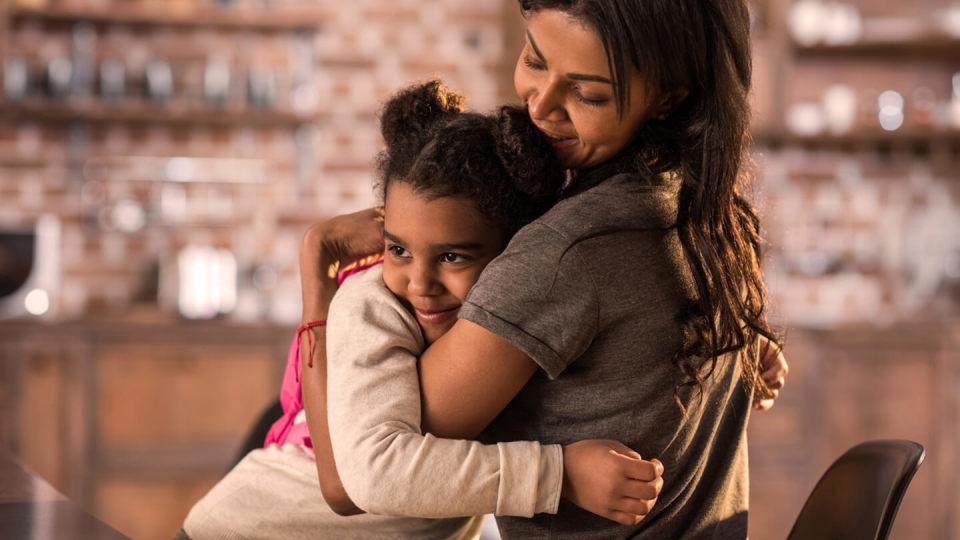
x: 461, y: 246
x: 571, y: 76
x: 392, y: 238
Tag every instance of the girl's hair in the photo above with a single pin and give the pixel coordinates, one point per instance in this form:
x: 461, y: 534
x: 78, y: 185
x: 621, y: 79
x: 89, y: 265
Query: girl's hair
x: 694, y: 54
x: 500, y: 161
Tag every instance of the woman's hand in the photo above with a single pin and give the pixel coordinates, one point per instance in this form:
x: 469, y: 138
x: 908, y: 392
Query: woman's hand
x: 331, y: 246
x: 611, y: 480
x: 773, y: 372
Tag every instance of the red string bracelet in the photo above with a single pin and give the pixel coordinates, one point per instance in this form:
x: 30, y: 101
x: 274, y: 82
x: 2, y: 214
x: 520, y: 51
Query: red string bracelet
x: 307, y: 326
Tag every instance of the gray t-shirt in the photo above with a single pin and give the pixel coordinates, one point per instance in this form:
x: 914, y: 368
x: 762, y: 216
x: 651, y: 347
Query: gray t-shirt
x: 600, y: 317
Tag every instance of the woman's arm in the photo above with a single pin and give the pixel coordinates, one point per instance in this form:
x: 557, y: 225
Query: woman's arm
x: 453, y: 404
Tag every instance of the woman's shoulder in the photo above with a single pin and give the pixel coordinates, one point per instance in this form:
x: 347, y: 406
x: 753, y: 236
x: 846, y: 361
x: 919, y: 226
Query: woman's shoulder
x: 625, y: 201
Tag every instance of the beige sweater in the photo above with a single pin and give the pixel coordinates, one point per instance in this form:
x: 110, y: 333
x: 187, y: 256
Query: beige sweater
x: 387, y: 465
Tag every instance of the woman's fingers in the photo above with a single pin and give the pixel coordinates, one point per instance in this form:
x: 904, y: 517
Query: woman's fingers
x: 635, y: 489
x: 636, y: 507
x: 623, y: 518
x: 639, y: 469
x: 764, y: 404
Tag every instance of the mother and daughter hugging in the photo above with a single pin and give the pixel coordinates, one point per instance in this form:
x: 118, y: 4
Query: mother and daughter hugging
x: 565, y: 324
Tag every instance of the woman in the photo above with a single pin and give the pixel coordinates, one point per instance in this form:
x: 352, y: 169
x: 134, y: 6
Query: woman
x: 456, y: 186
x: 634, y: 309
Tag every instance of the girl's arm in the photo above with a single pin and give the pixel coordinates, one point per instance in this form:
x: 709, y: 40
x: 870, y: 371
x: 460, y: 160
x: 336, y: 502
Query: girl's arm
x: 314, y: 384
x: 386, y: 463
x: 319, y: 262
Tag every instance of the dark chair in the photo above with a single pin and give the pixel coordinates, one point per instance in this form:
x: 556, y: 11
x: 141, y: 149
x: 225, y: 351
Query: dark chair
x: 258, y: 433
x: 858, y: 497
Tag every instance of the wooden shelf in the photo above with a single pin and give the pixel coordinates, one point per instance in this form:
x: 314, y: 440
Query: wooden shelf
x: 931, y: 47
x: 149, y: 114
x: 160, y: 15
x: 904, y: 138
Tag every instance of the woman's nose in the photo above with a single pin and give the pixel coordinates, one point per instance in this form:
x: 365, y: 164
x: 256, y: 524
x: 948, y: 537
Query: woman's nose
x: 544, y: 104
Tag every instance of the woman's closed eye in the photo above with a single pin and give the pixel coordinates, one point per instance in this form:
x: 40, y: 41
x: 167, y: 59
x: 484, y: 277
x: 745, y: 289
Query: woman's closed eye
x: 531, y: 63
x: 589, y: 100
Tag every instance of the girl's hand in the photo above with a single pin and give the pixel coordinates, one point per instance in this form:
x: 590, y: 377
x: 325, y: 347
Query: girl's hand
x: 773, y: 372
x: 331, y: 246
x: 610, y: 480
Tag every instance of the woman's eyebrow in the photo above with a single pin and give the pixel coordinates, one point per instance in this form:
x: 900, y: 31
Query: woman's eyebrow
x: 571, y: 76
x: 533, y: 44
x: 590, y: 78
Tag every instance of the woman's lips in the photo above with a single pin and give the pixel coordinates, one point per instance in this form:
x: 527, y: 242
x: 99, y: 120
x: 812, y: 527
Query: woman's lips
x: 559, y: 141
x: 435, y: 316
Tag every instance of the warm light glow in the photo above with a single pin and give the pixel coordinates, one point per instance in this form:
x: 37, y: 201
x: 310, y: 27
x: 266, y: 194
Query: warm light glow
x: 891, y: 110
x: 37, y: 302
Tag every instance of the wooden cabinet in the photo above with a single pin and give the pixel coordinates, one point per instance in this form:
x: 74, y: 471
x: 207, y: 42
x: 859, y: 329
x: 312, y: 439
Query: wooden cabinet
x: 135, y: 422
x: 850, y: 385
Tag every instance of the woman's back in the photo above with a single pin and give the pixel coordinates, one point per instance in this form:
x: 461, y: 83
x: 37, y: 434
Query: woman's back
x: 600, y: 315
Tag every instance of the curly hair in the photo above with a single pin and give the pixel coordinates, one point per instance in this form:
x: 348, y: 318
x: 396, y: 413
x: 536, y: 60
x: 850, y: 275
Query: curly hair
x: 499, y: 161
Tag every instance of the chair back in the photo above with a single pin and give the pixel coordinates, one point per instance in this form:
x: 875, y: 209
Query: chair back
x: 858, y: 497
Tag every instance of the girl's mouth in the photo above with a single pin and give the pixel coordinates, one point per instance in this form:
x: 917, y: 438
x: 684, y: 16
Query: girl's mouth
x: 436, y: 316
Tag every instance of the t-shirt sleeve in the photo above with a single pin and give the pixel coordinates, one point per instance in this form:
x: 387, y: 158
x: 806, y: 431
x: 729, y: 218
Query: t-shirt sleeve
x: 538, y: 295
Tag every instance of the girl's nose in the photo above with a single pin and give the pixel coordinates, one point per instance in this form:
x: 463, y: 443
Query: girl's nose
x: 423, y: 280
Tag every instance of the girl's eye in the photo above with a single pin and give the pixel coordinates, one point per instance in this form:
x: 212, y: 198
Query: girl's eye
x: 452, y: 258
x: 397, y: 251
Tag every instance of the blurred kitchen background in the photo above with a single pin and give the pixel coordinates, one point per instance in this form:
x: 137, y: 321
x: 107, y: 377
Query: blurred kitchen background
x: 160, y: 160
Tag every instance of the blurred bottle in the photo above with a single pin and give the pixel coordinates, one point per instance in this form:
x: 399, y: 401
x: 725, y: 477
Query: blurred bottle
x: 261, y: 88
x: 59, y: 74
x: 839, y: 108
x: 113, y: 79
x: 955, y: 100
x: 16, y: 78
x: 159, y: 81
x: 216, y: 82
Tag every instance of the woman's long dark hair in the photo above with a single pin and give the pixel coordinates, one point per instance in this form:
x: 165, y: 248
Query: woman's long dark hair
x: 695, y: 54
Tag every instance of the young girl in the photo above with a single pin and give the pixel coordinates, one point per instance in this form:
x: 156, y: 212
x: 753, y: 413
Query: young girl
x: 634, y: 308
x: 455, y: 189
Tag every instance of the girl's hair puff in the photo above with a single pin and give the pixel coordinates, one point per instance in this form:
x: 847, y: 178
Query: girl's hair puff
x: 501, y: 161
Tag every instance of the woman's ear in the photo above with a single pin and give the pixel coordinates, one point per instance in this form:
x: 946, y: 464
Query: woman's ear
x: 668, y: 102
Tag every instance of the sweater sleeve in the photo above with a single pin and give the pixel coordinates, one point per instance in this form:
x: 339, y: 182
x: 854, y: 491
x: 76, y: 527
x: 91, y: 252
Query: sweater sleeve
x: 387, y: 465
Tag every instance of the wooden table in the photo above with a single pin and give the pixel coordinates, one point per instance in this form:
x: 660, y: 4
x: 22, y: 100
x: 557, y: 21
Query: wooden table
x: 31, y: 509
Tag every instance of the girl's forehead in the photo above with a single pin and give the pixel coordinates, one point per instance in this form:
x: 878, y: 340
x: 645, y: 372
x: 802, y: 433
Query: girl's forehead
x: 416, y: 217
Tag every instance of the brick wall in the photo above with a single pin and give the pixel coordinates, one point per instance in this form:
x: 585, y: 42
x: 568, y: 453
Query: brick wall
x: 81, y: 171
